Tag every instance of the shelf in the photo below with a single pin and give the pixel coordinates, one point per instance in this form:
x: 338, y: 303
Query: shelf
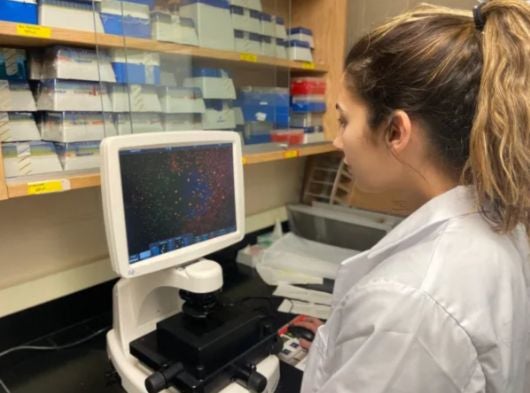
x: 51, y: 183
x: 14, y: 34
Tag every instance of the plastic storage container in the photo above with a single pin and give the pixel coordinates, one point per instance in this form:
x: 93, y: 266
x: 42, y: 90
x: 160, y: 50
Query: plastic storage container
x: 76, y: 126
x: 254, y: 21
x: 212, y: 20
x: 302, y: 34
x: 240, y: 18
x: 268, y: 25
x: 182, y: 121
x: 308, y: 86
x: 13, y: 64
x: 78, y: 155
x: 219, y: 115
x: 186, y: 32
x: 139, y: 122
x: 125, y: 18
x: 68, y: 14
x: 255, y: 132
x: 18, y: 126
x: 61, y: 62
x: 163, y: 26
x: 62, y: 96
x: 280, y: 30
x: 134, y: 98
x: 268, y: 46
x: 30, y: 158
x: 280, y: 49
x: 300, y: 51
x: 181, y: 100
x: 22, y: 11
x: 248, y: 42
x: 310, y: 122
x: 308, y: 103
x: 214, y: 83
x: 136, y: 67
x: 290, y: 137
x: 251, y: 4
x: 265, y: 104
x: 16, y: 97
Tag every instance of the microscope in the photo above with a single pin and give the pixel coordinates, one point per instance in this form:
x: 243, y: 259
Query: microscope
x: 170, y: 199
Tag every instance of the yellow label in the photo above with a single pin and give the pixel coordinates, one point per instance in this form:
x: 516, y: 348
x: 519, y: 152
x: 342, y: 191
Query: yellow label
x: 290, y: 154
x: 46, y: 187
x: 34, y: 31
x: 308, y: 66
x: 245, y: 160
x: 248, y: 57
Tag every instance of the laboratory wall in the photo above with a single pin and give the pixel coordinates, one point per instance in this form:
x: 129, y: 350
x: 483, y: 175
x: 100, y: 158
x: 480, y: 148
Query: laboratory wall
x: 363, y: 15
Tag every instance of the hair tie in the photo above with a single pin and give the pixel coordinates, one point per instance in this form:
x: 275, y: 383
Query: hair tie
x: 480, y: 22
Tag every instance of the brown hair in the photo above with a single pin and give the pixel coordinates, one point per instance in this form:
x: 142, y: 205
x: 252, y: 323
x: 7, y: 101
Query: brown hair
x: 470, y: 89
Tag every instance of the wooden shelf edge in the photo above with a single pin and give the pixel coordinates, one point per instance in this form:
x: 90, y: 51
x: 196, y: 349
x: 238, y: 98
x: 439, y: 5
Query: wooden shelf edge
x: 9, y: 34
x: 17, y: 189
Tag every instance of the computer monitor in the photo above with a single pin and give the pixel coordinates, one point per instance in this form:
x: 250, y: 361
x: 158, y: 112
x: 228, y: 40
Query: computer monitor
x: 170, y: 198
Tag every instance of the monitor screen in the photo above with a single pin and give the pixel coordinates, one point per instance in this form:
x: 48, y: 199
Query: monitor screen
x: 177, y: 196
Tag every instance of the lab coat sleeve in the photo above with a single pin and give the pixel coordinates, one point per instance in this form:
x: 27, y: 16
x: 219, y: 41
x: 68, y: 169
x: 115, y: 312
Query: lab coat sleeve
x: 389, y: 338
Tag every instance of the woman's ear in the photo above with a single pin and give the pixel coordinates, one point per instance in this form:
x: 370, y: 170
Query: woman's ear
x: 399, y: 132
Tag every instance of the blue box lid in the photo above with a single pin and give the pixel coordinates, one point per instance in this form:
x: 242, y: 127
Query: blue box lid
x: 188, y: 22
x: 266, y: 17
x: 300, y: 44
x: 300, y: 30
x: 209, y: 72
x: 213, y: 3
x: 235, y: 9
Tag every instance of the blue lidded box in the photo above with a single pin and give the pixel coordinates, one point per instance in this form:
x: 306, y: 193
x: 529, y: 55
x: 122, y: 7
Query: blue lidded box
x: 23, y: 11
x: 136, y: 67
x: 125, y: 18
x: 265, y: 104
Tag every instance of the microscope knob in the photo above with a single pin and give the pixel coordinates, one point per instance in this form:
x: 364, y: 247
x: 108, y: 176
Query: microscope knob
x: 161, y: 379
x: 256, y: 382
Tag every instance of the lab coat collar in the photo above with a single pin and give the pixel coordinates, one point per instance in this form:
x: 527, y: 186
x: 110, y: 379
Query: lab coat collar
x: 456, y: 202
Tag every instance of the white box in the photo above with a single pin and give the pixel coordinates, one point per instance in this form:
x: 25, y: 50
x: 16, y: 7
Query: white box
x: 314, y: 137
x: 251, y: 4
x: 268, y: 25
x: 142, y: 98
x: 16, y: 97
x: 280, y: 49
x: 213, y: 82
x: 69, y: 15
x: 138, y: 123
x: 163, y: 26
x: 63, y: 62
x: 240, y: 18
x: 302, y: 34
x: 64, y: 96
x: 18, y: 126
x: 248, y: 42
x: 182, y: 121
x: 30, y: 158
x: 218, y: 116
x: 254, y: 21
x: 78, y: 155
x: 300, y: 51
x: 181, y: 100
x: 136, y: 67
x: 268, y: 46
x: 281, y: 31
x: 186, y: 32
x: 213, y: 22
x: 76, y: 126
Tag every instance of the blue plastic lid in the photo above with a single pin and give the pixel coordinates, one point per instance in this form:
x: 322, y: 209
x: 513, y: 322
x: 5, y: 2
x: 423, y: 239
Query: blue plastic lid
x: 255, y: 14
x: 239, y: 34
x: 209, y: 72
x: 300, y: 44
x: 266, y: 17
x: 302, y: 30
x: 213, y: 3
x: 280, y: 20
x: 235, y: 9
x: 254, y: 37
x: 188, y: 22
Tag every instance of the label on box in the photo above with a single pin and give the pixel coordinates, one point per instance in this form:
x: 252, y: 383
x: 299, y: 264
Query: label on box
x: 48, y: 186
x: 34, y: 31
x: 248, y: 57
x: 308, y: 65
x: 291, y: 154
x: 5, y: 131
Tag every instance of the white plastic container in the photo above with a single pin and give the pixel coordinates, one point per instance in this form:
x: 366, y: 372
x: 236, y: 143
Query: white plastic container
x: 302, y: 34
x: 16, y: 97
x: 251, y: 4
x: 78, y: 155
x: 268, y: 25
x: 213, y: 22
x: 186, y: 32
x: 215, y: 83
x: 280, y: 29
x: 300, y: 51
x: 163, y: 26
x: 254, y: 21
x: 135, y: 66
x: 30, y: 158
x: 63, y: 62
x: 280, y: 49
x: 71, y: 15
x: 76, y: 126
x: 240, y: 18
x: 63, y: 96
x: 138, y: 123
x: 18, y: 126
x: 134, y: 98
x: 248, y: 42
x: 219, y: 115
x: 181, y: 100
x: 268, y: 46
x: 182, y: 121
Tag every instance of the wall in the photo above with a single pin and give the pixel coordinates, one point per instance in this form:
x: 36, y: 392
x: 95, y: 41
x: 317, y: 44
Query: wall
x: 363, y: 15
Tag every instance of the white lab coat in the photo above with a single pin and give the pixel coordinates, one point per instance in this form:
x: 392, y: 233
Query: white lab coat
x: 440, y: 305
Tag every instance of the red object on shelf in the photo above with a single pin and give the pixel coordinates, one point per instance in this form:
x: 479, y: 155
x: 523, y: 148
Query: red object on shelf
x: 308, y: 85
x: 291, y: 137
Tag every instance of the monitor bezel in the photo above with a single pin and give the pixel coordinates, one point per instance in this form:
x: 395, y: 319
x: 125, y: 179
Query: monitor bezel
x: 113, y: 206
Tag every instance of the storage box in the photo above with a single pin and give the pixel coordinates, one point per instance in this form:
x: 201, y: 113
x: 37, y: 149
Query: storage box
x: 68, y: 14
x: 308, y: 120
x: 63, y: 96
x: 182, y: 121
x: 186, y: 32
x: 308, y: 103
x: 29, y: 158
x: 248, y: 42
x: 17, y: 127
x: 302, y: 34
x: 139, y: 122
x: 251, y: 4
x: 281, y: 49
x: 149, y: 3
x: 181, y: 100
x: 16, y: 97
x: 163, y: 26
x: 212, y: 20
x: 125, y: 18
x: 280, y: 30
x: 300, y: 51
x: 22, y: 11
x: 134, y: 98
x: 215, y: 83
x: 290, y: 137
x: 61, y: 62
x: 254, y: 21
x: 255, y: 132
x: 240, y: 18
x: 268, y: 46
x: 13, y: 64
x: 76, y: 126
x: 136, y: 67
x: 219, y: 115
x: 308, y: 86
x: 78, y: 155
x: 265, y: 104
x: 268, y: 25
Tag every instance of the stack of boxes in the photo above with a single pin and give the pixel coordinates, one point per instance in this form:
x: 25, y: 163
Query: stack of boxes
x: 308, y: 104
x: 301, y: 44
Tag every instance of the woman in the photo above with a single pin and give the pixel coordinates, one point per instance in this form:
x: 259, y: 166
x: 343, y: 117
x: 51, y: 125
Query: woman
x: 435, y: 106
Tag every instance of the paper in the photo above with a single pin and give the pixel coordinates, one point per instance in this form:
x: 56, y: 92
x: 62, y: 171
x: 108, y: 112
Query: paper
x: 297, y: 307
x: 307, y: 295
